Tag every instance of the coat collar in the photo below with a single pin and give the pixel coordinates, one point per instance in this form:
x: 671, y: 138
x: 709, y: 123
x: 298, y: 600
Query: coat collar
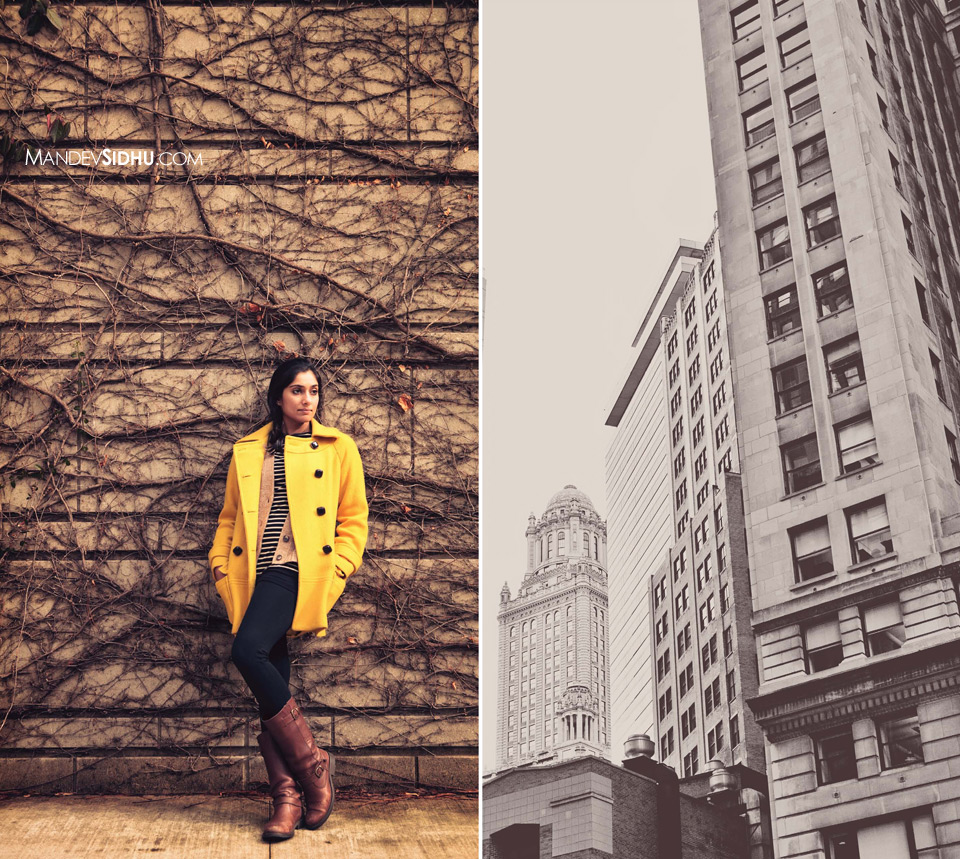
x: 318, y: 430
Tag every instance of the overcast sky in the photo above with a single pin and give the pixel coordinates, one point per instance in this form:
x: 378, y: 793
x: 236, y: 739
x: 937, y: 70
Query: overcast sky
x: 595, y: 162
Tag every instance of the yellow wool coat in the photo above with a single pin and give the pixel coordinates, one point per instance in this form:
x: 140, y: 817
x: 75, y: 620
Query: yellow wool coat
x: 328, y: 517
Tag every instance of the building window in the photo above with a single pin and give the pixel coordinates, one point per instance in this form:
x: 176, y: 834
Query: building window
x: 679, y: 564
x: 899, y: 737
x: 711, y: 306
x: 672, y: 344
x: 812, y: 158
x: 678, y: 462
x: 666, y: 745
x: 883, y: 627
x: 938, y: 377
x: 659, y: 593
x: 832, y: 287
x: 678, y: 431
x: 874, y: 65
x: 726, y: 461
x: 745, y: 19
x: 675, y: 402
x: 700, y: 464
x: 791, y: 382
x: 752, y: 70
x: 691, y: 340
x: 728, y: 641
x: 836, y: 759
x: 702, y: 494
x: 783, y: 312
x: 686, y: 680
x: 801, y: 464
x: 715, y: 740
x: 822, y: 222
x: 863, y: 13
x: 773, y: 244
x: 698, y: 431
x: 758, y: 124
x: 734, y: 731
x: 682, y: 601
x: 794, y: 46
x: 884, y: 114
x: 911, y: 838
x: 696, y: 399
x: 688, y: 721
x: 708, y: 653
x: 857, y: 444
x: 711, y: 696
x: 690, y: 763
x: 665, y: 704
x: 683, y: 640
x: 922, y: 300
x: 719, y: 397
x: 663, y: 665
x: 724, y: 598
x: 822, y: 647
x: 708, y: 276
x: 952, y: 450
x: 732, y: 685
x: 708, y: 611
x: 704, y: 572
x: 700, y: 535
x: 690, y: 312
x: 895, y: 169
x: 662, y: 628
x: 811, y: 550
x: 681, y: 494
x: 766, y: 182
x: 844, y: 364
x: 908, y: 234
x: 781, y: 7
x: 694, y: 370
x: 722, y: 431
x: 714, y: 336
x: 803, y: 100
x: 869, y: 530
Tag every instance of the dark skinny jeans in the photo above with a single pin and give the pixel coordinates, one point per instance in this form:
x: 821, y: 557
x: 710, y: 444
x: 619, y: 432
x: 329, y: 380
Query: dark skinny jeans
x: 260, y: 645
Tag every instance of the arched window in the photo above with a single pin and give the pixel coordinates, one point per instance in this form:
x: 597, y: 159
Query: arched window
x: 561, y: 543
x: 549, y: 545
x: 596, y: 551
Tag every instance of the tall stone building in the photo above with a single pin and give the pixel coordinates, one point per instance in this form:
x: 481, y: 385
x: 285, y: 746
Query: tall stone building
x: 552, y: 700
x: 835, y: 146
x: 684, y: 657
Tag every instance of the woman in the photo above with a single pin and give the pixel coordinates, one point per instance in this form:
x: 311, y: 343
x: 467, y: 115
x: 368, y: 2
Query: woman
x: 292, y: 531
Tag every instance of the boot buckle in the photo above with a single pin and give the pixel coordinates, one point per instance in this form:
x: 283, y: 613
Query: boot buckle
x: 318, y: 770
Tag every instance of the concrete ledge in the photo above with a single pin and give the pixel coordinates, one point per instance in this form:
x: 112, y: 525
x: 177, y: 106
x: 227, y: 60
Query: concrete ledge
x: 459, y: 772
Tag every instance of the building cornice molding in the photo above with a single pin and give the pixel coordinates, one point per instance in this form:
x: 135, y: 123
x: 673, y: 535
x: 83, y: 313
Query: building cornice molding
x: 871, y: 688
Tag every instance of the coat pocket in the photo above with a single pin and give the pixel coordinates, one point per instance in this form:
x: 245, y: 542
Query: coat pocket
x: 335, y: 590
x: 223, y: 588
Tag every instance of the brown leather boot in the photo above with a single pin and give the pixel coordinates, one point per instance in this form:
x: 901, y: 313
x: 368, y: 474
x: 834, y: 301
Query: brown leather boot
x: 287, y: 811
x: 312, y: 767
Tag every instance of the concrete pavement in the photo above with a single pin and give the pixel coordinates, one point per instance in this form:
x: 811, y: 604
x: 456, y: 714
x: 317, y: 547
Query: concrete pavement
x: 217, y: 827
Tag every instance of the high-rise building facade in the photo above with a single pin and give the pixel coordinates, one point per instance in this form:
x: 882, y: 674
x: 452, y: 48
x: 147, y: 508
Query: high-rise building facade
x: 835, y: 146
x: 552, y: 699
x: 688, y: 589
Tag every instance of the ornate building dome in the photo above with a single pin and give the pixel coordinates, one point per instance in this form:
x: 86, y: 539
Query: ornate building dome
x: 570, y: 495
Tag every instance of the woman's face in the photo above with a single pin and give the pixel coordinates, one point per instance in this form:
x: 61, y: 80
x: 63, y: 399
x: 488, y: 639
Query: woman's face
x: 299, y: 402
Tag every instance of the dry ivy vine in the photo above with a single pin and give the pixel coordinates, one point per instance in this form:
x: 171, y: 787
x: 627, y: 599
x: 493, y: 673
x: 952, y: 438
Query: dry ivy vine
x: 334, y: 216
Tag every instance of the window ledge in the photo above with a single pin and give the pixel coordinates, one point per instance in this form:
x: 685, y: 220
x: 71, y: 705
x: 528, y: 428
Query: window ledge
x: 793, y: 63
x: 819, y: 580
x: 860, y: 470
x: 796, y: 410
x: 846, y: 390
x: 825, y: 242
x: 804, y: 491
x: 780, y: 337
x: 797, y: 122
x: 776, y: 265
x: 814, y: 179
x: 835, y: 313
x: 866, y: 565
x: 769, y: 200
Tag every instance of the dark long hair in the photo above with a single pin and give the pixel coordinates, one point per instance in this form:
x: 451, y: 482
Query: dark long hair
x: 283, y: 376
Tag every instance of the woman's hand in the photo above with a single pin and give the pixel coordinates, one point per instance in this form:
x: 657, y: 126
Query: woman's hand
x: 218, y: 574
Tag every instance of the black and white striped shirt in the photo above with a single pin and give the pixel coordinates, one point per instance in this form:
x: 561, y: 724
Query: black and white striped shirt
x: 279, y: 511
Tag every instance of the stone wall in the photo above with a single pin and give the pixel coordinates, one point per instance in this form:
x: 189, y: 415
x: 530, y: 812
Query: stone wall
x: 142, y: 309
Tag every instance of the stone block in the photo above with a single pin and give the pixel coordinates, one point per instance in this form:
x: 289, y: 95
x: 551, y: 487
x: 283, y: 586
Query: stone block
x: 160, y: 774
x: 458, y: 772
x: 37, y: 775
x: 367, y: 770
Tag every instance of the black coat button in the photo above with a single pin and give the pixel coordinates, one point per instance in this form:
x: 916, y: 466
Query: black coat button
x: 237, y: 550
x: 318, y: 473
x: 314, y: 444
x: 321, y: 511
x: 327, y: 550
